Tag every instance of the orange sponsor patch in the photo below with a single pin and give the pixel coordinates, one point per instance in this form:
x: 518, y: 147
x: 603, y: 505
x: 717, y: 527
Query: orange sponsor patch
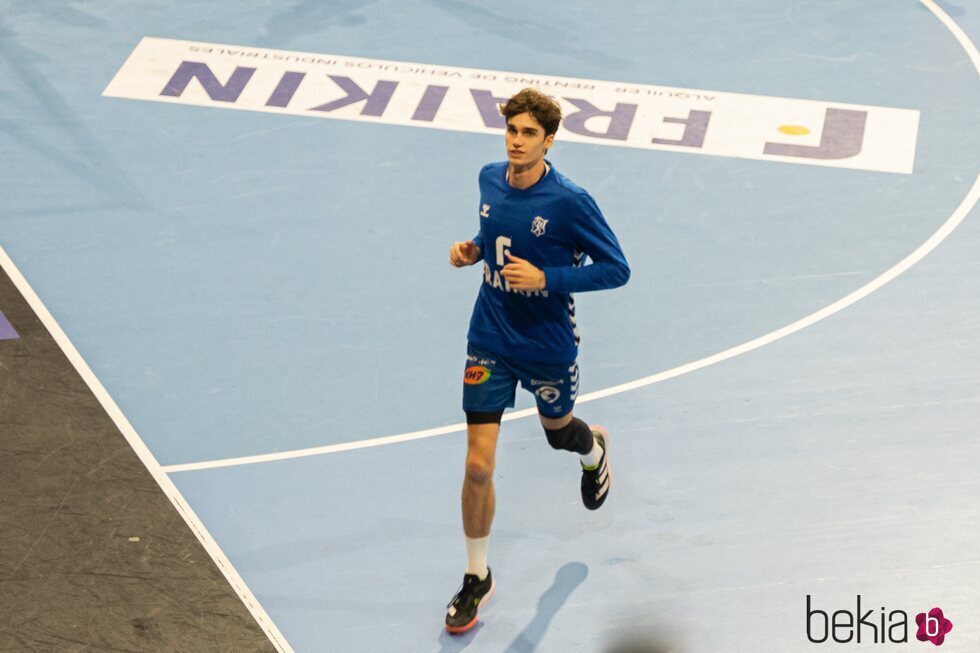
x: 475, y: 375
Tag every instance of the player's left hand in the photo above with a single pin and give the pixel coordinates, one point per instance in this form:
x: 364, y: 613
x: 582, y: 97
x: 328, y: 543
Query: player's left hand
x: 522, y: 275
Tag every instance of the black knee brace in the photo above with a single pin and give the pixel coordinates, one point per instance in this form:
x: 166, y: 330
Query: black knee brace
x: 575, y: 436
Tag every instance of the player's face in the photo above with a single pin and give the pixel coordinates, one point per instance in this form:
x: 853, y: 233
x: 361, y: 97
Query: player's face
x: 526, y: 141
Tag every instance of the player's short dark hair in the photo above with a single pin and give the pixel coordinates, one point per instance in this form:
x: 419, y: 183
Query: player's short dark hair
x: 543, y: 107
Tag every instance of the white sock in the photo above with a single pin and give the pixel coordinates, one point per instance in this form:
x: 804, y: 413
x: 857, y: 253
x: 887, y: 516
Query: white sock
x: 591, y: 459
x: 476, y: 555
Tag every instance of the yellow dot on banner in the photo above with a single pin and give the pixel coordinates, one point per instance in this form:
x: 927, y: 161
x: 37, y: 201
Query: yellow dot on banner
x: 794, y: 130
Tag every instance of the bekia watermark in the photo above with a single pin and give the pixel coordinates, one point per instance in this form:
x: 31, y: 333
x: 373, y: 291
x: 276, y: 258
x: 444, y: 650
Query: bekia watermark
x: 873, y: 626
x: 933, y: 626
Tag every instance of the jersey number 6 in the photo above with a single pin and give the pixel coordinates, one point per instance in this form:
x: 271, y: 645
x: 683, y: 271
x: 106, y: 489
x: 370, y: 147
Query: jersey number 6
x: 503, y: 243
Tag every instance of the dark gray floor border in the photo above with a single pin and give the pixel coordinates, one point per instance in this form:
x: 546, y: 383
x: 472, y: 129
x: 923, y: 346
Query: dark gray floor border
x: 98, y: 549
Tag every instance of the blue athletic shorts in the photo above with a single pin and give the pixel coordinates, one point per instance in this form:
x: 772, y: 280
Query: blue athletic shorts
x: 490, y: 383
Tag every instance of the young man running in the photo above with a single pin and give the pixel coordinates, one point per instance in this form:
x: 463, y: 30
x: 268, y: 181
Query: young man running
x: 536, y: 227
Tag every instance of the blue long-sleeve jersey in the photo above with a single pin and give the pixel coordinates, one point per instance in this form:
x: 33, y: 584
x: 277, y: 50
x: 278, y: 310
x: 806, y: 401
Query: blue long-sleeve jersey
x: 554, y: 225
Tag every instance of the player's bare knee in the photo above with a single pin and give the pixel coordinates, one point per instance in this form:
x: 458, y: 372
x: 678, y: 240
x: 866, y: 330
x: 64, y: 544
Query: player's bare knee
x: 479, y: 469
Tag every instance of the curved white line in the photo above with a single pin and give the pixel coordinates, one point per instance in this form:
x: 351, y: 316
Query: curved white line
x: 939, y: 236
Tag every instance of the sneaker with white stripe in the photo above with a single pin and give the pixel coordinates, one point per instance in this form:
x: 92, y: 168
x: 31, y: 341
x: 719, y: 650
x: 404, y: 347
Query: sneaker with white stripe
x: 596, y: 482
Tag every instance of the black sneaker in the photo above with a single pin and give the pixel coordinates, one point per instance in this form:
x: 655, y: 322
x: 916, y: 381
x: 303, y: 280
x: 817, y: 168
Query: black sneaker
x: 461, y: 611
x: 596, y: 482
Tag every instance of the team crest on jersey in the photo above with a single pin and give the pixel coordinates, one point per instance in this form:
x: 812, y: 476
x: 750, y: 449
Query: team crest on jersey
x: 538, y: 226
x: 485, y: 211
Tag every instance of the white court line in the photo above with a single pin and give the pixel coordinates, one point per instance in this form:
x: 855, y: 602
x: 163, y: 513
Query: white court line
x: 939, y: 236
x: 145, y: 456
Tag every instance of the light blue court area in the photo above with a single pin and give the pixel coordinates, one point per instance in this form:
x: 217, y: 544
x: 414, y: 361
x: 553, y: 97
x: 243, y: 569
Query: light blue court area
x: 251, y: 279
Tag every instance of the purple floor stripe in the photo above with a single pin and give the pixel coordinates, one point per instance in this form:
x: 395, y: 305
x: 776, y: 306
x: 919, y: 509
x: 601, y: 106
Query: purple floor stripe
x: 6, y: 331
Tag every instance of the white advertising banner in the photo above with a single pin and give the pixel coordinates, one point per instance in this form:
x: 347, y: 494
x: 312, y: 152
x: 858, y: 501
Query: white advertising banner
x: 623, y: 114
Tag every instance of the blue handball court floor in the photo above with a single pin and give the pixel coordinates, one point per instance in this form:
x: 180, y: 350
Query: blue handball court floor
x: 234, y: 220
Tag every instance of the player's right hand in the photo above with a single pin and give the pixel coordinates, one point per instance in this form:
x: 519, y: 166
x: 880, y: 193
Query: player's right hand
x: 463, y: 254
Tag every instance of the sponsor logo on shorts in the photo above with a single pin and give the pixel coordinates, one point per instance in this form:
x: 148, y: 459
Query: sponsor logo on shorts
x: 548, y: 394
x: 476, y: 374
x: 536, y: 382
